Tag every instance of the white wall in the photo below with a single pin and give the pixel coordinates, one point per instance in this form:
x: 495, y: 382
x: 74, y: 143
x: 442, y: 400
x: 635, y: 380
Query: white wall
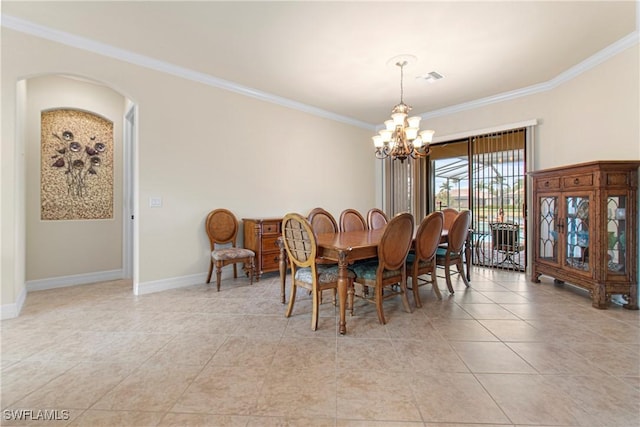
x: 65, y: 248
x: 199, y: 148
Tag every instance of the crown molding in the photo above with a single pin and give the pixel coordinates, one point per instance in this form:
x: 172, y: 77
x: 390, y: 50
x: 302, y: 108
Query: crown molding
x: 165, y: 67
x: 103, y: 49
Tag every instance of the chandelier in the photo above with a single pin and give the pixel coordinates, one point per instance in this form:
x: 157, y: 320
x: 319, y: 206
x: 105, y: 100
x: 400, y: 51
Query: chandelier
x: 400, y: 138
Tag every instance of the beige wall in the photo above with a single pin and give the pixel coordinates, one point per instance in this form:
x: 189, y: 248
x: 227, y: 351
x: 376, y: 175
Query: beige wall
x: 65, y: 248
x: 200, y: 148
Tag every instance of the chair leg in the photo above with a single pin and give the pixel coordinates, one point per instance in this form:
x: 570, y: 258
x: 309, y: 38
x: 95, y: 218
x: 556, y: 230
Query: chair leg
x: 210, y: 271
x: 378, y: 296
x: 218, y: 274
x: 434, y: 283
x: 316, y: 309
x: 292, y: 299
x: 252, y: 268
x: 462, y: 274
x: 235, y: 270
x: 405, y: 300
x: 416, y: 291
x: 447, y: 275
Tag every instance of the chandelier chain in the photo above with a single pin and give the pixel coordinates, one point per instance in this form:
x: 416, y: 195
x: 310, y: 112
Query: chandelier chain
x: 402, y: 81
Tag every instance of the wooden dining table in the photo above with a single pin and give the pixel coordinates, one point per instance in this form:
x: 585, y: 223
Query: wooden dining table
x: 345, y: 248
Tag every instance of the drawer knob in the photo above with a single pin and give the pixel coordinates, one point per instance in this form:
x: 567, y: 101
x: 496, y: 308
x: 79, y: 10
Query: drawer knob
x: 576, y: 181
x: 546, y: 183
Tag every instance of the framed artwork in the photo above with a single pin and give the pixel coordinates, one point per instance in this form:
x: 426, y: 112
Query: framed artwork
x: 76, y: 165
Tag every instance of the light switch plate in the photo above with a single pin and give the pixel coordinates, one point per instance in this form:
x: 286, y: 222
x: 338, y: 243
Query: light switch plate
x: 155, y: 202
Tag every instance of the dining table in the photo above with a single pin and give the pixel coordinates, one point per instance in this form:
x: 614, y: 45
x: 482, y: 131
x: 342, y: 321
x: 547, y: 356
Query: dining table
x: 345, y: 248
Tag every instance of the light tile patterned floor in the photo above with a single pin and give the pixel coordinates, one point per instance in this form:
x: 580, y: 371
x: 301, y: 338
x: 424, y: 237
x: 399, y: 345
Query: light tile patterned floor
x: 505, y: 352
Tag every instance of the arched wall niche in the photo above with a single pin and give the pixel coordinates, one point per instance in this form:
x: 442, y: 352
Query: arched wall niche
x: 73, y: 250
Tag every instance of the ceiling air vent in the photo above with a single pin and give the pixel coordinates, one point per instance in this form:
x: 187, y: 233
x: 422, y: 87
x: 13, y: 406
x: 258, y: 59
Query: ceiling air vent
x: 430, y: 77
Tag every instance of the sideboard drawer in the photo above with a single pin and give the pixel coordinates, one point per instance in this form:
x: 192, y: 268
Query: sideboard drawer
x: 270, y: 243
x: 548, y: 184
x: 575, y: 181
x: 271, y: 228
x: 271, y: 261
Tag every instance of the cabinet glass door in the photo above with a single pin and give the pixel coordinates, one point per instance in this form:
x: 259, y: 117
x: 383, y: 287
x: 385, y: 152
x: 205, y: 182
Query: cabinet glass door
x: 616, y: 238
x: 577, y: 233
x: 548, y: 221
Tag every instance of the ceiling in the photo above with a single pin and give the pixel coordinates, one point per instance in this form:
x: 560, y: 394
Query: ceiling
x: 333, y: 55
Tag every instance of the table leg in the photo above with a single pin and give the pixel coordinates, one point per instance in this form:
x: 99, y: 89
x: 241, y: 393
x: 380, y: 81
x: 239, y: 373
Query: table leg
x: 343, y: 282
x: 467, y: 254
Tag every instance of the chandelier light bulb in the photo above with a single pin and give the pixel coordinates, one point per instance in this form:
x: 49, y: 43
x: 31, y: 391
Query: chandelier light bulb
x: 377, y: 141
x: 390, y: 125
x: 398, y: 119
x: 427, y: 135
x: 414, y: 122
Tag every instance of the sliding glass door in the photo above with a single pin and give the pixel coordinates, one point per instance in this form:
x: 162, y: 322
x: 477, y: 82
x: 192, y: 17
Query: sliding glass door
x: 485, y: 174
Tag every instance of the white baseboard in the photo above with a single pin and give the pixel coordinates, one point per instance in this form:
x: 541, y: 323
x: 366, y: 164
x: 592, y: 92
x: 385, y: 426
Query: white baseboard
x: 9, y: 311
x: 77, y: 279
x: 171, y: 283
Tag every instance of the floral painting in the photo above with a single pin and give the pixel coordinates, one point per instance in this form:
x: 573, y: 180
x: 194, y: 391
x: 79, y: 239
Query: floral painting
x: 76, y: 166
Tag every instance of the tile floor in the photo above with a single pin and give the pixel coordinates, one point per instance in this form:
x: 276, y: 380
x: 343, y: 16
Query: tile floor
x: 505, y: 352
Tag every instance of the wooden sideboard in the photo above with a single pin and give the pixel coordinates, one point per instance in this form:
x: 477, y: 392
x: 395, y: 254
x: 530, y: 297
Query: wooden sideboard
x: 261, y: 236
x: 585, y: 226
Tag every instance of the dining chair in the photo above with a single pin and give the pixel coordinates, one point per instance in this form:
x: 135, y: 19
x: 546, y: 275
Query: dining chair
x: 352, y: 220
x: 301, y: 246
x: 450, y: 215
x: 376, y: 218
x: 222, y: 229
x: 453, y: 253
x: 389, y: 267
x: 322, y: 221
x: 422, y: 259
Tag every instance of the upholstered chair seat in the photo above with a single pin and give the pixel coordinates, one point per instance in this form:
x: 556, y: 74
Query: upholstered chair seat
x: 231, y: 253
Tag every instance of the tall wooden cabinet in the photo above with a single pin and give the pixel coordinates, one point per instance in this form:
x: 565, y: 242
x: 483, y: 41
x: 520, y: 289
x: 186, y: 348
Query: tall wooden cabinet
x: 585, y: 223
x: 261, y: 236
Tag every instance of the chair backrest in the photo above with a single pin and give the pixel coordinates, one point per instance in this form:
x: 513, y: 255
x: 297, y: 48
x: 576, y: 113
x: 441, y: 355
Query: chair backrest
x: 352, y: 220
x: 396, y: 242
x: 376, y: 219
x: 322, y: 221
x: 504, y: 235
x: 222, y: 227
x: 459, y: 231
x: 428, y: 236
x: 450, y: 215
x: 299, y: 240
